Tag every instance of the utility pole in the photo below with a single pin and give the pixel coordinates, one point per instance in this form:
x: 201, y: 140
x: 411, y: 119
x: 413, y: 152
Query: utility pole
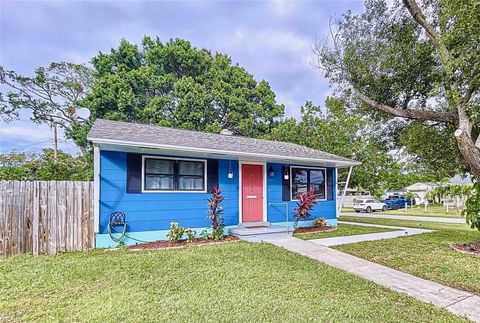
x: 55, y: 143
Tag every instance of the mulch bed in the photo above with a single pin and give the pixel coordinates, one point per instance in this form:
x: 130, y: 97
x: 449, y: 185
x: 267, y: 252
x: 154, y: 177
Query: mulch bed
x: 470, y: 248
x: 164, y: 244
x: 314, y: 229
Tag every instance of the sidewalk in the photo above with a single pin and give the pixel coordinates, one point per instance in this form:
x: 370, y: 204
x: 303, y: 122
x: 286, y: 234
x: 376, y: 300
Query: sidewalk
x: 459, y: 302
x: 401, y: 232
x: 403, y: 217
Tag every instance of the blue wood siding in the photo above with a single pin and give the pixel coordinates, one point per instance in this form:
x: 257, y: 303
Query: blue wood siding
x: 155, y: 211
x: 276, y: 207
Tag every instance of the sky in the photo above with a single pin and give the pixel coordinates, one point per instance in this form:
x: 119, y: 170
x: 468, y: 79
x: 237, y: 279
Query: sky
x: 271, y: 39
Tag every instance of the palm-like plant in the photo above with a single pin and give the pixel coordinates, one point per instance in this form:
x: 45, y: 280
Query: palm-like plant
x: 306, y: 203
x: 215, y: 211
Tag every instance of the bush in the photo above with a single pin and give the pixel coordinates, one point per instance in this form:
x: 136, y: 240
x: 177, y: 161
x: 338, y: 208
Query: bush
x: 320, y: 222
x: 176, y: 232
x: 307, y: 201
x: 472, y: 210
x: 215, y: 211
x: 190, y: 234
x: 212, y: 235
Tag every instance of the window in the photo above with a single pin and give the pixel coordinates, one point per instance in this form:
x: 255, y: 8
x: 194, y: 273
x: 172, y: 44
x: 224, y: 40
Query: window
x: 173, y: 175
x: 302, y: 179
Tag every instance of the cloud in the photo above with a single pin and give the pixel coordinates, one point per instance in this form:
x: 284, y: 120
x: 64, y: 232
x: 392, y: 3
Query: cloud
x: 25, y: 133
x: 271, y: 39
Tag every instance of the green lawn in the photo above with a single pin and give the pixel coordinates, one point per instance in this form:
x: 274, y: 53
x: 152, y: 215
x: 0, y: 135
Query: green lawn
x: 426, y: 255
x: 221, y: 283
x: 342, y: 230
x: 432, y: 211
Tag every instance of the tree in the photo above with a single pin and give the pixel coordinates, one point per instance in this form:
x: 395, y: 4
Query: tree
x: 51, y: 96
x: 341, y: 131
x: 431, y: 147
x: 418, y: 61
x: 44, y: 167
x: 175, y: 84
x: 472, y: 211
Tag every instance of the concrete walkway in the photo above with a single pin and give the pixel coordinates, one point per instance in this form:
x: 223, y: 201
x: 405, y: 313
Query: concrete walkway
x: 404, y: 217
x: 456, y: 301
x: 401, y: 232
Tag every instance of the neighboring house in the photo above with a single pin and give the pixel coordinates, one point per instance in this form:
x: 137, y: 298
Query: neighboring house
x: 351, y: 195
x: 399, y: 191
x: 156, y: 175
x: 460, y: 180
x: 420, y: 190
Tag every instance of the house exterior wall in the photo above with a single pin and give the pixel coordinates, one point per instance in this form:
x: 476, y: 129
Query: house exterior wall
x: 276, y: 206
x: 148, y: 215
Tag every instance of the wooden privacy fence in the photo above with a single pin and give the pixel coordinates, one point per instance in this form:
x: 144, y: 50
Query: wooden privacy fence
x: 45, y: 217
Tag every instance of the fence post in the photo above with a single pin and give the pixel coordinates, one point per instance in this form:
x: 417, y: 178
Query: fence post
x: 35, y: 217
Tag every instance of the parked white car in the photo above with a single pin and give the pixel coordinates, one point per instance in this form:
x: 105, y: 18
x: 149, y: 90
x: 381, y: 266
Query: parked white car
x: 369, y: 206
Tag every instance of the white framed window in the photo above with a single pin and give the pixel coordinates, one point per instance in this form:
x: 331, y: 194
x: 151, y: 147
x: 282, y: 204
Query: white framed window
x: 162, y: 174
x: 304, y: 178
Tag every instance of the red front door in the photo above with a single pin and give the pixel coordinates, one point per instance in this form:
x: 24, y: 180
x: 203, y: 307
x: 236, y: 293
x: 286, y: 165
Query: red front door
x: 252, y: 193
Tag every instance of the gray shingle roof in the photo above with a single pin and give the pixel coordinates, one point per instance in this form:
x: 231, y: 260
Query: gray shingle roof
x: 144, y: 135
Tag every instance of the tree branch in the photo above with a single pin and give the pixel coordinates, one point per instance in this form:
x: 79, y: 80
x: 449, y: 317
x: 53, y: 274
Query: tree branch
x: 419, y: 17
x: 425, y: 115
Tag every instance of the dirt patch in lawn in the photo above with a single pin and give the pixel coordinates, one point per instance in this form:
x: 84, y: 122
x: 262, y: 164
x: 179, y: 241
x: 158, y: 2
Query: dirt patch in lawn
x: 470, y: 248
x: 163, y: 244
x: 306, y: 230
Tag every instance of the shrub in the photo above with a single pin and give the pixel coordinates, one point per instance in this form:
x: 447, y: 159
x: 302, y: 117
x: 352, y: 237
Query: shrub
x: 190, y: 234
x: 472, y: 210
x: 307, y: 202
x: 215, y: 211
x: 176, y: 232
x: 320, y: 222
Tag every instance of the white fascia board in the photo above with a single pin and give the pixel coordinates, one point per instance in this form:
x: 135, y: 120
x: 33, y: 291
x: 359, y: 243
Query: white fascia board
x: 337, y: 163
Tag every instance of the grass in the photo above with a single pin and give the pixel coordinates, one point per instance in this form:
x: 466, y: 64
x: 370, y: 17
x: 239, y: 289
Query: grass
x: 228, y: 282
x: 342, y: 230
x: 426, y: 255
x: 432, y: 211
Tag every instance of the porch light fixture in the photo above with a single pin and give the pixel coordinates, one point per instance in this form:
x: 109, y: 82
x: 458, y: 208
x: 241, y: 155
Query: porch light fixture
x: 271, y: 171
x: 230, y: 170
x: 285, y: 175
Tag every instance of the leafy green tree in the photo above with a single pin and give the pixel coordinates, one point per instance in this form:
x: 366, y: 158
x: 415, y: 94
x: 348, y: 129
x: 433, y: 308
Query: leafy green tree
x: 418, y: 61
x: 345, y: 133
x: 472, y: 210
x: 30, y: 167
x: 51, y: 96
x: 432, y: 149
x: 175, y: 84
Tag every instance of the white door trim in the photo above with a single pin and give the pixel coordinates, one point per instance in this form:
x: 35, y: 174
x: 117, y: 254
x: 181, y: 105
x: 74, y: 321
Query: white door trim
x: 240, y: 197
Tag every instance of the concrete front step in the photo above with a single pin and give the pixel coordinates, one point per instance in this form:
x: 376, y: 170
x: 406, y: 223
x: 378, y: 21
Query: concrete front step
x: 254, y: 224
x: 265, y: 230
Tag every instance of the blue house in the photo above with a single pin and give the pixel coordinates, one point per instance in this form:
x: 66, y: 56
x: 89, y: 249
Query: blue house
x: 157, y: 175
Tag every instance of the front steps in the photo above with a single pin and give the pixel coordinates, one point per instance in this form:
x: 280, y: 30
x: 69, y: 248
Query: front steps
x: 256, y: 231
x: 258, y: 224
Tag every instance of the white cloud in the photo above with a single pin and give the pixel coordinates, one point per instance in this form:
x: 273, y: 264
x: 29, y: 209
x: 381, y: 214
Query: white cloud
x: 25, y: 133
x: 282, y: 7
x: 270, y: 39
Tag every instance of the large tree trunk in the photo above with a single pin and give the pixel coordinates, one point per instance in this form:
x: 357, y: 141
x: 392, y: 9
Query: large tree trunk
x: 466, y: 144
